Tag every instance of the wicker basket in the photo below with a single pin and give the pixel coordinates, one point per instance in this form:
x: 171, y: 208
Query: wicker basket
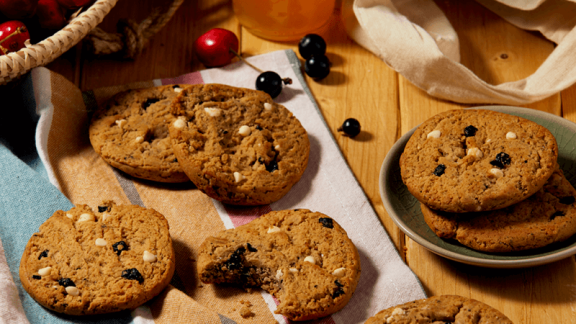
x: 15, y: 64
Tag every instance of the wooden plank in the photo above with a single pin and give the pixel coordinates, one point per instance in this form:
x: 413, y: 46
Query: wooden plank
x: 521, y: 294
x: 170, y: 52
x: 360, y: 86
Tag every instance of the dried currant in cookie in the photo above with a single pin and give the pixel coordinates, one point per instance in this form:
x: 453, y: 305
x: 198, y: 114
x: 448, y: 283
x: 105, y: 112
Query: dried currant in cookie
x: 501, y: 159
x: 439, y: 170
x: 251, y: 248
x: 102, y: 209
x: 326, y: 222
x: 339, y: 291
x: 235, y: 261
x: 44, y: 254
x: 132, y: 274
x: 149, y: 102
x: 66, y: 282
x: 120, y: 246
x: 568, y: 200
x: 504, y: 158
x: 470, y: 131
x: 36, y: 277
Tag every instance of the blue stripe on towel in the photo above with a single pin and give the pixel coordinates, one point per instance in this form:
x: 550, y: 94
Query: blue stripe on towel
x: 27, y: 199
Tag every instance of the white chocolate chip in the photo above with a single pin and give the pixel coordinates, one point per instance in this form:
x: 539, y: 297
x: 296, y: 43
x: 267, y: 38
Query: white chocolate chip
x: 340, y: 272
x: 121, y: 123
x: 44, y: 271
x: 71, y: 290
x: 267, y: 106
x: 279, y: 274
x: 389, y: 319
x: 69, y: 215
x: 86, y: 217
x: 277, y: 147
x: 474, y: 151
x: 139, y: 139
x: 101, y: 242
x: 238, y: 177
x: 274, y: 229
x: 293, y: 270
x: 177, y: 89
x: 497, y: 172
x: 434, y: 134
x: 244, y: 130
x: 510, y: 135
x: 310, y: 259
x: 180, y: 123
x: 149, y: 257
x: 398, y: 311
x: 213, y: 112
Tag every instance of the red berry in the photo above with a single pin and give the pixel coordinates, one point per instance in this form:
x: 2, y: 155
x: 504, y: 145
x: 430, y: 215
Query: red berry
x: 13, y: 35
x: 74, y: 4
x: 18, y: 9
x: 213, y: 48
x: 50, y: 14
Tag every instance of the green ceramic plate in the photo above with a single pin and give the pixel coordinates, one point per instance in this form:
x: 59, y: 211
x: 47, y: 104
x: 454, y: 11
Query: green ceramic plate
x: 404, y: 209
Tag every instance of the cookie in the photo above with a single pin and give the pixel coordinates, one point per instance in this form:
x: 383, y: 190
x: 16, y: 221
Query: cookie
x: 303, y: 258
x: 544, y: 218
x: 83, y: 262
x: 237, y: 145
x: 130, y: 132
x: 441, y: 309
x: 477, y: 160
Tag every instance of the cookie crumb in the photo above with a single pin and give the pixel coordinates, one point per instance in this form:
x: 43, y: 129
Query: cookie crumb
x: 246, y: 311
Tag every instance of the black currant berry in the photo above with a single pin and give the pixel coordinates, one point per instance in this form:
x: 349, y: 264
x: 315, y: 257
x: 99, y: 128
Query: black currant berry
x: 439, y: 170
x: 470, y: 131
x: 311, y: 45
x: 317, y: 67
x: 350, y: 127
x: 269, y: 82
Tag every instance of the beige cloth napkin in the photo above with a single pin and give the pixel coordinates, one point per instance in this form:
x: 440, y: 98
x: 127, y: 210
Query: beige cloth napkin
x: 416, y: 39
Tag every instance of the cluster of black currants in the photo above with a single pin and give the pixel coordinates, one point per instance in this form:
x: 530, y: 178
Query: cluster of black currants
x: 312, y: 48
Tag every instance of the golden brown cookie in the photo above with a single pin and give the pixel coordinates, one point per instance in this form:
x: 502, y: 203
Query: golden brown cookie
x: 477, y: 160
x: 237, y: 145
x: 546, y: 217
x: 440, y: 310
x: 83, y: 262
x: 130, y: 132
x: 303, y: 258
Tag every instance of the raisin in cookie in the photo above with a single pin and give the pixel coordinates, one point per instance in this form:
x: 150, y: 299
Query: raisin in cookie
x: 237, y: 145
x: 546, y: 217
x: 440, y: 309
x: 477, y: 160
x: 303, y: 258
x: 84, y: 262
x: 130, y: 132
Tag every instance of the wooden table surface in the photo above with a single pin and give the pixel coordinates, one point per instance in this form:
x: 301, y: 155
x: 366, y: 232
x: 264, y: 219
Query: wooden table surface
x: 387, y: 105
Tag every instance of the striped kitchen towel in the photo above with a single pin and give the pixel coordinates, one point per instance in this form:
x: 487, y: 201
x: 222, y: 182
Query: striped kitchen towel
x: 51, y: 165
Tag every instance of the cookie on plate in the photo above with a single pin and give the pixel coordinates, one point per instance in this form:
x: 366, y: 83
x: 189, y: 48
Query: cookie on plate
x: 441, y: 309
x: 546, y: 217
x: 83, y: 262
x: 237, y: 145
x: 130, y: 132
x: 477, y: 160
x: 303, y: 258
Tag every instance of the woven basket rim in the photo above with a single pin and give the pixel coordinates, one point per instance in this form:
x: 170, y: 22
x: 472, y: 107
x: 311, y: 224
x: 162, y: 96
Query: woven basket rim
x: 14, y: 64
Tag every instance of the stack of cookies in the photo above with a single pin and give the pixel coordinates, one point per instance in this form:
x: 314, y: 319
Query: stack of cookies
x: 489, y: 180
x: 236, y: 145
